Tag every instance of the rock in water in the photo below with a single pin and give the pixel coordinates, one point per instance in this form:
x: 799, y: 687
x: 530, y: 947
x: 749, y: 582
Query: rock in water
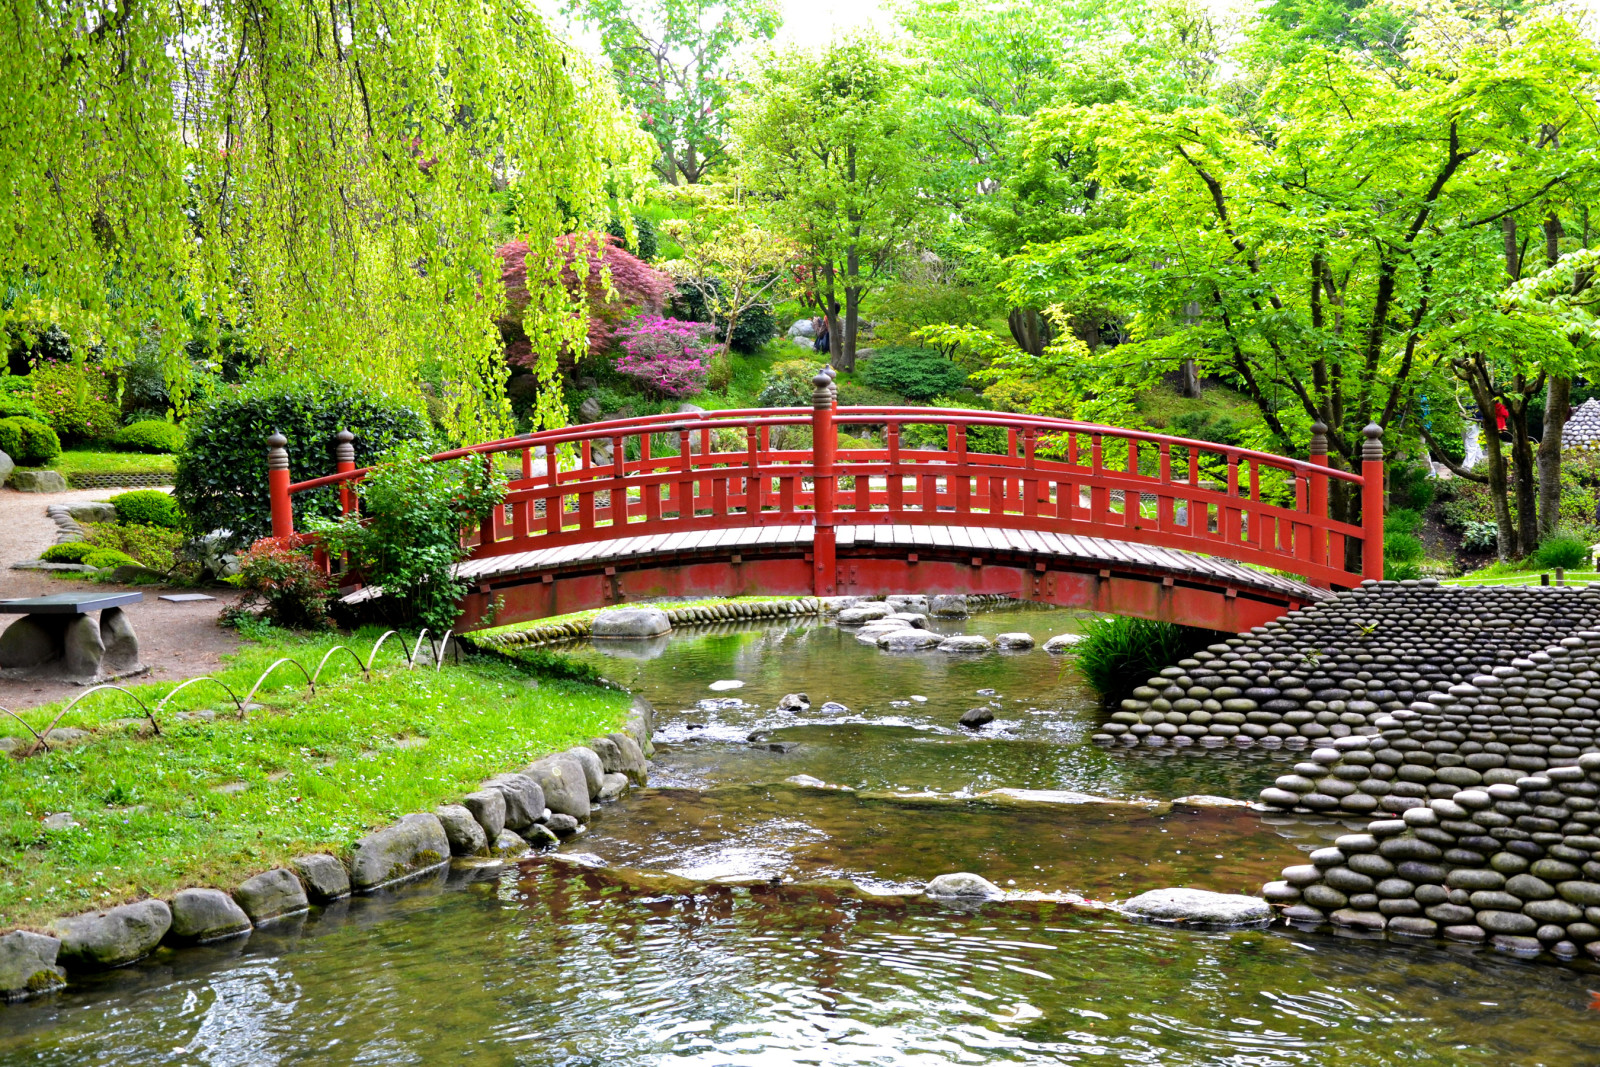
x: 948, y: 606
x: 1013, y: 642
x: 855, y: 616
x: 908, y: 640
x: 976, y: 717
x: 562, y: 825
x: 1062, y: 643
x: 913, y: 602
x: 111, y: 938
x: 461, y: 828
x: 201, y: 915
x: 488, y: 807
x: 962, y: 886
x: 794, y: 702
x: 415, y: 843
x: 271, y: 894
x: 1198, y: 906
x: 631, y: 622
x: 324, y: 877
x: 966, y: 643
x: 566, y: 786
x: 725, y: 684
x: 28, y: 962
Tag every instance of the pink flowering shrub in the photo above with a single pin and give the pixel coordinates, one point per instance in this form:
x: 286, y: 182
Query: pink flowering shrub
x: 667, y: 356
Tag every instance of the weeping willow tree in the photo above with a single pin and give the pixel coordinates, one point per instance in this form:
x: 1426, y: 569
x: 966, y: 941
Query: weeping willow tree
x: 314, y: 176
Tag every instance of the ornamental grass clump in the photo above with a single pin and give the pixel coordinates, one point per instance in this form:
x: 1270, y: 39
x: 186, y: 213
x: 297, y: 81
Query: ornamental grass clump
x: 1119, y: 652
x: 667, y: 356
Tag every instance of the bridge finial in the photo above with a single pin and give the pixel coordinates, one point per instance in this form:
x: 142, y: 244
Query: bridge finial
x: 277, y: 452
x: 822, y: 389
x: 1372, y: 448
x: 1319, y: 438
x: 344, y: 451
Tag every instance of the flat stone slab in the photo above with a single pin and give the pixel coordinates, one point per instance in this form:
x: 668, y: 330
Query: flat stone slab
x: 67, y: 603
x: 184, y: 598
x: 1198, y: 906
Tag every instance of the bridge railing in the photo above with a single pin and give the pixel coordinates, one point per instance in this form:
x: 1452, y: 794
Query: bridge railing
x: 695, y: 471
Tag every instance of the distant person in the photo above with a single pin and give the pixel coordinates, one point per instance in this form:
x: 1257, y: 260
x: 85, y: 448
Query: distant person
x: 1500, y: 416
x: 821, y: 343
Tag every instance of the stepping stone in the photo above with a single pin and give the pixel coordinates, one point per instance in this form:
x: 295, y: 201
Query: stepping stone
x: 185, y: 598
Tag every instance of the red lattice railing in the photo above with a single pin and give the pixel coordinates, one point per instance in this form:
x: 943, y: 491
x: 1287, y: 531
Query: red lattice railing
x: 698, y: 471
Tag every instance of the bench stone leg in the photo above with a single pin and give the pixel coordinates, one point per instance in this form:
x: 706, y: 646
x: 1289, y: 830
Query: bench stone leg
x: 32, y: 641
x: 82, y: 648
x: 121, y: 644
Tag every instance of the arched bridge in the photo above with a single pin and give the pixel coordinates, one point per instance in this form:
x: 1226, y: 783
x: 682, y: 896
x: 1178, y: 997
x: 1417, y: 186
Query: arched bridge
x: 831, y: 500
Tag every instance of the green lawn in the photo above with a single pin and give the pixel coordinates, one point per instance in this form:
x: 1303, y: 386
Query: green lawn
x: 1511, y: 574
x: 90, y: 461
x: 319, y: 771
x: 586, y: 615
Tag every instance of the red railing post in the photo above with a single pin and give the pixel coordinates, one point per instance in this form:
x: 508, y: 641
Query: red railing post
x: 278, y: 485
x: 1372, y: 502
x: 344, y: 458
x: 822, y: 447
x: 1317, y: 492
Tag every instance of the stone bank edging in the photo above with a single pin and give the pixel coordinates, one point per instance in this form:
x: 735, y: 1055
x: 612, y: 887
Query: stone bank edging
x: 511, y: 813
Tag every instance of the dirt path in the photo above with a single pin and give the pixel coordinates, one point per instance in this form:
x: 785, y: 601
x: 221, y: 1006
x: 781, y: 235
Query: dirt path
x: 176, y: 640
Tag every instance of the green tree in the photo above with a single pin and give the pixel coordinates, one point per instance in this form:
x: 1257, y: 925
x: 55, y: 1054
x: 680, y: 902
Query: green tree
x: 313, y: 177
x: 674, y: 62
x: 824, y: 138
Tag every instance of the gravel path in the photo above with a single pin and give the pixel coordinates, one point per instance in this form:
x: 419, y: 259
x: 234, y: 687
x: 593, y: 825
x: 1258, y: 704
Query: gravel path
x: 177, y: 640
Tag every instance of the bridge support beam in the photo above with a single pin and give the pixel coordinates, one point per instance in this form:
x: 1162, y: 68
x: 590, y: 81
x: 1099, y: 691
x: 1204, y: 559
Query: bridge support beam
x: 823, y: 442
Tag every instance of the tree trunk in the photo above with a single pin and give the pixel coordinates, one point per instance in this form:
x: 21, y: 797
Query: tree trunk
x: 830, y: 313
x: 1029, y: 329
x: 1191, y: 380
x: 1557, y: 399
x: 1523, y: 474
x: 1483, y: 394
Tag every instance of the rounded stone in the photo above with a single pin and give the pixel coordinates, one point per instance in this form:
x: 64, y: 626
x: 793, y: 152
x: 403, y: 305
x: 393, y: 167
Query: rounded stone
x: 1198, y: 906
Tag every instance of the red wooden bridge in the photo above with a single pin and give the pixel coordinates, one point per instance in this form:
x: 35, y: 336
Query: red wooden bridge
x: 770, y: 501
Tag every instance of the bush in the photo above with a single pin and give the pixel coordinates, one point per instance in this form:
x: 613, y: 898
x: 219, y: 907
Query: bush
x: 148, y: 507
x: 1480, y: 537
x: 28, y: 442
x: 918, y: 374
x: 666, y: 356
x: 408, y: 533
x: 1563, y: 550
x: 107, y: 558
x: 149, y: 436
x: 78, y: 402
x: 755, y: 327
x: 788, y: 384
x: 71, y: 552
x: 647, y: 244
x: 221, y: 481
x: 1207, y: 426
x: 278, y: 573
x: 154, y: 546
x: 1411, y: 485
x: 719, y: 371
x: 20, y: 406
x: 1118, y: 653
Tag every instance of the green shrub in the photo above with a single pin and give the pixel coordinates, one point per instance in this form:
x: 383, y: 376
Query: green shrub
x: 28, y: 442
x: 19, y: 406
x: 149, y: 436
x: 1411, y: 485
x: 918, y: 374
x: 1480, y: 537
x: 1119, y: 653
x: 755, y: 327
x: 154, y: 546
x: 148, y: 507
x: 647, y: 244
x: 1402, y: 551
x: 77, y: 401
x: 1208, y: 426
x: 71, y: 552
x: 221, y: 481
x: 107, y: 558
x: 1563, y: 550
x: 279, y: 574
x: 788, y: 384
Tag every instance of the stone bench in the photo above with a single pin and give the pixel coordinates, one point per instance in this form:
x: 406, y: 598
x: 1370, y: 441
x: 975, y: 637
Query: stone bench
x: 56, y: 637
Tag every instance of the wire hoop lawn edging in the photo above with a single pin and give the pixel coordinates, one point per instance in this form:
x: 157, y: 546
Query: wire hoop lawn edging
x: 242, y: 706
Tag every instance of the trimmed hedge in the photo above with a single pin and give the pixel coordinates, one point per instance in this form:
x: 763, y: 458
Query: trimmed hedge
x: 28, y: 442
x: 148, y: 507
x: 918, y: 374
x: 152, y: 435
x: 221, y: 481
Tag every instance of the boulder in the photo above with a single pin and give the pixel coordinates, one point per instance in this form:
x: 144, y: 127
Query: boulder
x: 948, y: 606
x: 461, y: 829
x: 541, y: 836
x: 201, y: 915
x: 323, y: 876
x: 121, y: 645
x: 111, y: 938
x: 914, y: 602
x: 863, y: 613
x: 794, y: 702
x: 973, y: 718
x: 81, y: 648
x: 271, y: 894
x: 802, y: 329
x: 31, y: 641
x: 966, y: 643
x: 962, y: 886
x: 1198, y: 906
x: 30, y: 481
x: 524, y: 795
x: 834, y: 604
x: 92, y: 511
x: 614, y: 786
x: 7, y: 465
x: 1062, y: 643
x: 631, y: 622
x: 589, y: 409
x: 488, y: 806
x: 509, y: 843
x: 416, y: 843
x: 593, y: 771
x: 1013, y: 642
x: 908, y: 640
x: 28, y: 960
x: 631, y: 761
x: 565, y: 785
x: 562, y: 825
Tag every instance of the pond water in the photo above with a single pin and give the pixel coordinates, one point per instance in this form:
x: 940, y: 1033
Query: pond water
x: 571, y: 964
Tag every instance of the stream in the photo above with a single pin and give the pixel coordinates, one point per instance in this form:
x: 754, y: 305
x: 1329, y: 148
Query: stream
x: 553, y: 963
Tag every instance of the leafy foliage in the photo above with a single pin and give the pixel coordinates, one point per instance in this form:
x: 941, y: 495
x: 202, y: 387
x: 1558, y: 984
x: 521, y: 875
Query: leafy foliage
x: 151, y: 435
x: 279, y: 574
x: 407, y: 535
x: 1564, y: 550
x: 154, y: 546
x: 78, y: 401
x: 1479, y: 536
x: 667, y: 356
x: 918, y: 374
x: 221, y: 481
x: 645, y: 243
x: 754, y: 328
x: 28, y: 442
x: 1118, y: 652
x: 788, y: 384
x: 148, y: 507
x: 68, y: 552
x: 346, y: 225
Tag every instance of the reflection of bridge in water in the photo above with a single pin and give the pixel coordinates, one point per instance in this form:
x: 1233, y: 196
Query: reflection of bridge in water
x: 768, y: 501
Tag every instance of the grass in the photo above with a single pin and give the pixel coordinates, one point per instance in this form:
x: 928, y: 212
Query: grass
x: 1162, y: 403
x: 586, y: 615
x: 320, y: 771
x: 1119, y: 653
x: 91, y: 461
x: 1519, y: 572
